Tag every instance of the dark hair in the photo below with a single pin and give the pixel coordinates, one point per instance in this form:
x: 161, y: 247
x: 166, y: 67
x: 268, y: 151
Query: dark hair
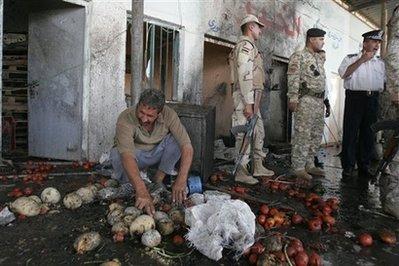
x: 307, y: 39
x: 244, y: 28
x: 153, y: 98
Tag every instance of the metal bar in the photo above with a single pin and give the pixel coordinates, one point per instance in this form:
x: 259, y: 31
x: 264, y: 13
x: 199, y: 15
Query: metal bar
x: 152, y: 55
x: 175, y: 63
x: 167, y: 61
x: 160, y: 58
x: 146, y: 46
x: 136, y: 50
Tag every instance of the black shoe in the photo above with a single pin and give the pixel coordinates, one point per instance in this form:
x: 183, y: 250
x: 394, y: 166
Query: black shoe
x: 365, y: 173
x: 348, y: 174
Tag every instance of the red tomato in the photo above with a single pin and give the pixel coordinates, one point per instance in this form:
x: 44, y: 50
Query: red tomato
x: 28, y: 191
x: 314, y: 259
x: 261, y: 219
x: 365, y: 239
x: 257, y: 248
x: 296, y: 219
x: 178, y: 240
x: 264, y: 209
x: 253, y: 258
x: 118, y: 237
x: 301, y: 259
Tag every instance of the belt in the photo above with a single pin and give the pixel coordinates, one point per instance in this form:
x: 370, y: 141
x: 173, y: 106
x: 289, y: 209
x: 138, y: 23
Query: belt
x: 362, y: 93
x: 307, y: 92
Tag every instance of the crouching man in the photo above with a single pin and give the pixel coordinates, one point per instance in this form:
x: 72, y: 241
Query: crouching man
x: 151, y: 134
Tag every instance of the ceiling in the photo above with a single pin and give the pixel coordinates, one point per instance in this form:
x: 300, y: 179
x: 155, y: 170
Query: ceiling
x: 371, y: 9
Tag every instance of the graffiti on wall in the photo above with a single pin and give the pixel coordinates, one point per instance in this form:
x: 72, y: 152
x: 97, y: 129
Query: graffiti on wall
x: 283, y: 20
x: 336, y: 38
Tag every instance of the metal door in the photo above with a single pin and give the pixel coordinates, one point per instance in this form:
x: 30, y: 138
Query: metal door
x: 55, y: 77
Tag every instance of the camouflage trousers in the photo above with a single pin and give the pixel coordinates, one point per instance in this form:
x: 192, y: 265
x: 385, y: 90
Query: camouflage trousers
x: 238, y: 118
x: 308, y: 131
x: 389, y: 181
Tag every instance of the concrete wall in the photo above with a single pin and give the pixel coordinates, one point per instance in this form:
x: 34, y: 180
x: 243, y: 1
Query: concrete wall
x: 105, y: 98
x: 1, y: 73
x: 286, y: 24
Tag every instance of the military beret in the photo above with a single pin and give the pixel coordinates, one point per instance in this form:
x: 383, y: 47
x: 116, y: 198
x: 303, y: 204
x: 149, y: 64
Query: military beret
x: 315, y: 32
x: 374, y: 35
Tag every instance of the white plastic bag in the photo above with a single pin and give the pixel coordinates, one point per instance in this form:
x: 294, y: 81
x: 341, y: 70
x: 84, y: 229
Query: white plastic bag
x: 218, y: 224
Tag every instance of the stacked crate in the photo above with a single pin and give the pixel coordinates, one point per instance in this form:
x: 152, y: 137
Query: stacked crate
x: 15, y: 89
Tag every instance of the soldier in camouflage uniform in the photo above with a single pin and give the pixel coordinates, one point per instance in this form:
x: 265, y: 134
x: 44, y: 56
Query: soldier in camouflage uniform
x: 389, y: 182
x: 247, y: 76
x: 306, y: 84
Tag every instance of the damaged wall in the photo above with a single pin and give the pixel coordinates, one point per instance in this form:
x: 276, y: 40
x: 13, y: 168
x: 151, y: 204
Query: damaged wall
x: 286, y: 24
x: 107, y: 37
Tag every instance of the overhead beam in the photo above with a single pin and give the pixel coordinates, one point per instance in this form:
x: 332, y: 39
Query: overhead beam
x: 356, y: 7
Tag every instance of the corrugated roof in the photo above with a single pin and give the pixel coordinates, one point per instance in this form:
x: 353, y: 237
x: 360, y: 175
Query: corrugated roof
x: 371, y: 9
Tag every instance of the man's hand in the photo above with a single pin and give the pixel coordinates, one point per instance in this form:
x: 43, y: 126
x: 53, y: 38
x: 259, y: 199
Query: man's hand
x: 144, y: 201
x: 292, y: 106
x: 179, y: 193
x: 366, y: 56
x: 248, y: 111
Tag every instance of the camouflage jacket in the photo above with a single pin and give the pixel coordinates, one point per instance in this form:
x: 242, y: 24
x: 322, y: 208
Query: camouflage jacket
x: 246, y: 68
x: 392, y: 56
x: 305, y: 71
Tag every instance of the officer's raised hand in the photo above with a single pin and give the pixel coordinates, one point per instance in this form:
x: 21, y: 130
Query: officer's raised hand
x: 292, y: 106
x: 366, y: 56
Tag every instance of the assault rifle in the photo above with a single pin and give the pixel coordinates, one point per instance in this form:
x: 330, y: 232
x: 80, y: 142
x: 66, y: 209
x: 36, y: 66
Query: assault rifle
x: 392, y: 147
x: 248, y: 129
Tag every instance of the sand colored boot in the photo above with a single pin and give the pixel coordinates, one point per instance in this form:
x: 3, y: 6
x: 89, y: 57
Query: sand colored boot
x: 301, y: 173
x: 313, y: 170
x: 243, y: 176
x: 260, y: 170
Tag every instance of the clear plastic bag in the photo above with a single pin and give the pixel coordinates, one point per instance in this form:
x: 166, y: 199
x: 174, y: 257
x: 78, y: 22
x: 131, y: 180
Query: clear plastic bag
x: 218, y: 224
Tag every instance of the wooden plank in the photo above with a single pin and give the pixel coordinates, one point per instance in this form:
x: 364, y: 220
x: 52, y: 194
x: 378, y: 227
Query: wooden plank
x: 15, y: 108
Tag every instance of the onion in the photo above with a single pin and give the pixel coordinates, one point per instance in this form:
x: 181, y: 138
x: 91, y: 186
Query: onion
x: 388, y: 237
x: 50, y: 195
x: 151, y: 238
x: 87, y: 242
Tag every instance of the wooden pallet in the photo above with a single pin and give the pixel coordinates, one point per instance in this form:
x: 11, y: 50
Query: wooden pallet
x: 15, y: 88
x: 15, y: 60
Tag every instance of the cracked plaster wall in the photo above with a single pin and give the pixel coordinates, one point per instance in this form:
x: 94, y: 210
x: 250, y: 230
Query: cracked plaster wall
x: 107, y: 38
